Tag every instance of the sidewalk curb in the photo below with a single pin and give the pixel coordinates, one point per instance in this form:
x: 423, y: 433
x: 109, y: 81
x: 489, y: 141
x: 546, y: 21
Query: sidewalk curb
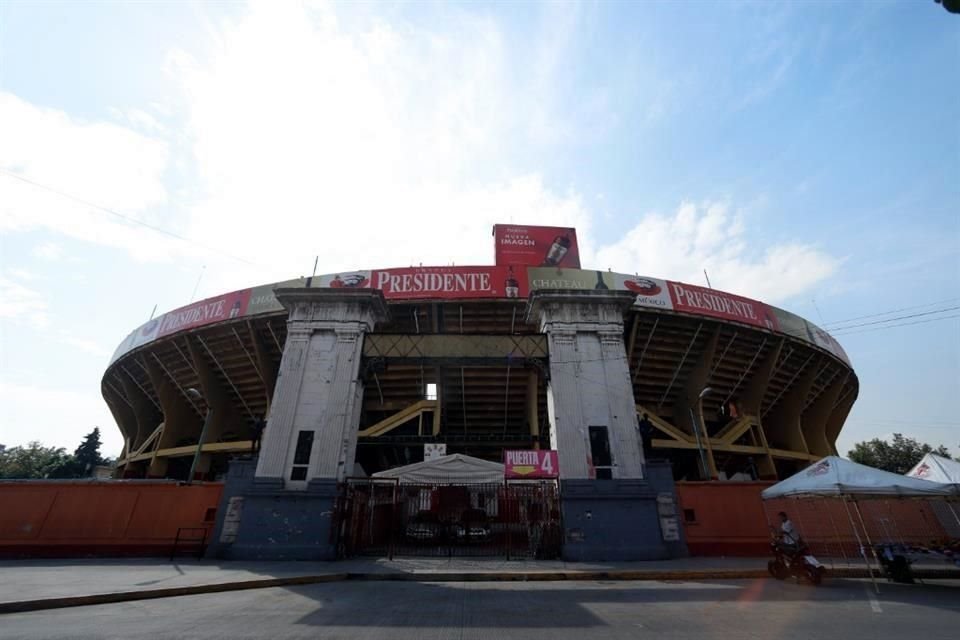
x: 24, y: 606
x: 561, y: 576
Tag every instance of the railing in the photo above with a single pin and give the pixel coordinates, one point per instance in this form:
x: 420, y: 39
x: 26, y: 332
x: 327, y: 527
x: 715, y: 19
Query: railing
x: 201, y: 542
x: 512, y: 520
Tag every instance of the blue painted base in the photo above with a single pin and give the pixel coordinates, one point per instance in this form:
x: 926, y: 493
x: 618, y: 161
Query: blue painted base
x: 275, y: 524
x: 617, y: 520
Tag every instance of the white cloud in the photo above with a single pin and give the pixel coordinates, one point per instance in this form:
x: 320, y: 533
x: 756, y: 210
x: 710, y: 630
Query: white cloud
x: 712, y: 236
x: 101, y: 163
x: 375, y: 145
x: 48, y: 251
x: 21, y: 303
x: 83, y: 344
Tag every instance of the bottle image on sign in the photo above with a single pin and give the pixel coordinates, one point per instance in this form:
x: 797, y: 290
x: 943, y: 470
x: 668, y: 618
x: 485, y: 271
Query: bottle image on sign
x: 511, y: 286
x: 559, y: 248
x: 600, y: 283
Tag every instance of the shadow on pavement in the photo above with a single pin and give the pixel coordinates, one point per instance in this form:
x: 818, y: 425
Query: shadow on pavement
x: 516, y: 605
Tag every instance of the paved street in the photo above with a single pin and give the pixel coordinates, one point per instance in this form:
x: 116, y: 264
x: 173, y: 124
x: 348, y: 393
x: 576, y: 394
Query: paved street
x: 504, y: 610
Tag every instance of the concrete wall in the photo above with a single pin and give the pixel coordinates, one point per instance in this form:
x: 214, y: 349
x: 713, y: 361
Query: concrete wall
x: 44, y: 518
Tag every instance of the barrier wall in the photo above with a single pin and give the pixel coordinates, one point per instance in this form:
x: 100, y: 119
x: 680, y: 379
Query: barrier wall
x: 104, y: 518
x: 730, y: 519
x: 724, y: 518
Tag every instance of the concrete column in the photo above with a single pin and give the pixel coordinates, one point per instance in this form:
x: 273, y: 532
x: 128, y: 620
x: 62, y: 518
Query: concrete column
x: 317, y: 387
x: 589, y: 378
x: 179, y: 417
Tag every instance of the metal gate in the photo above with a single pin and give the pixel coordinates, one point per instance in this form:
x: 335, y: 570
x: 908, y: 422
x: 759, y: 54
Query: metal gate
x: 512, y: 520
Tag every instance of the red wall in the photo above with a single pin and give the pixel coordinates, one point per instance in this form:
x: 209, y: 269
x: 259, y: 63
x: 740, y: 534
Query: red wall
x: 730, y: 519
x: 43, y: 518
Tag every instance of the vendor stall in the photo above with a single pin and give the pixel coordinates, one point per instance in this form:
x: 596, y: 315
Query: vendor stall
x: 850, y: 483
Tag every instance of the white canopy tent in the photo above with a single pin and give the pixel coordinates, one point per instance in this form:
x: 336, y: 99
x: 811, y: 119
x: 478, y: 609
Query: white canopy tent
x: 937, y: 469
x: 835, y: 477
x: 946, y: 472
x: 452, y: 469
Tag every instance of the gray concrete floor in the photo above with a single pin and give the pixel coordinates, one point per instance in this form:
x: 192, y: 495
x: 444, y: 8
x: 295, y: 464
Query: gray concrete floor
x: 744, y: 610
x: 37, y: 579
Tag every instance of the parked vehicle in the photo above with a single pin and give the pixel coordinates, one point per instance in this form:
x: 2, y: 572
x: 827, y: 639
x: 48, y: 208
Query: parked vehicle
x: 424, y: 527
x: 794, y: 560
x: 474, y: 526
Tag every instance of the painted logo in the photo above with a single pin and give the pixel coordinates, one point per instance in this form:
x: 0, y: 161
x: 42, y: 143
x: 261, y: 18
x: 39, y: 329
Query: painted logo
x: 349, y: 281
x: 643, y: 286
x: 821, y: 468
x: 923, y: 470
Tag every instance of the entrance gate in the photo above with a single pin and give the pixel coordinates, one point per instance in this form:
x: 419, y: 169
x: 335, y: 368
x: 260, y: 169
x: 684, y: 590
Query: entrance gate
x: 511, y: 520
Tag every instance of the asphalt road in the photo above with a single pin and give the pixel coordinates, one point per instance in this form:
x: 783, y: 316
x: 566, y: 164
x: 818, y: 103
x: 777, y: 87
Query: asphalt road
x: 743, y: 610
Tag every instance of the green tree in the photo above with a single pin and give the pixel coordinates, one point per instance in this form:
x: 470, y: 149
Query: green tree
x: 34, y: 461
x: 898, y: 456
x: 87, y: 454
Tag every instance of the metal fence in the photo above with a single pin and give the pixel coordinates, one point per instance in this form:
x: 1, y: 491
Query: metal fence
x: 511, y: 520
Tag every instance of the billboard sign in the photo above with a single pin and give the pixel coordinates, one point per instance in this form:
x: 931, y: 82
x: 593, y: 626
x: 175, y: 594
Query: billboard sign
x: 451, y: 282
x: 650, y: 292
x: 217, y: 309
x: 536, y: 246
x: 530, y: 464
x: 554, y: 278
x: 344, y: 280
x: 263, y: 300
x: 797, y: 327
x: 710, y: 302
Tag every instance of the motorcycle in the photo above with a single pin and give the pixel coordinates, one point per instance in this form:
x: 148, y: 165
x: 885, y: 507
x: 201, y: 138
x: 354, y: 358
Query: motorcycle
x: 794, y: 560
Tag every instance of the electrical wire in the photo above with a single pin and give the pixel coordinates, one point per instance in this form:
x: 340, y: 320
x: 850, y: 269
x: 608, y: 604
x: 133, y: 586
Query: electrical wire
x: 827, y: 325
x: 126, y: 218
x: 902, y: 324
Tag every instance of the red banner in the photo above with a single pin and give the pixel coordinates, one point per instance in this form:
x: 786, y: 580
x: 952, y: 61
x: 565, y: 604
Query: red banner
x: 451, y: 282
x: 710, y: 302
x: 536, y: 246
x: 229, y: 305
x: 531, y: 464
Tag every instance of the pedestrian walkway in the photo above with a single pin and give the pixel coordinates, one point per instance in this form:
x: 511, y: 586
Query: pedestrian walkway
x: 42, y: 584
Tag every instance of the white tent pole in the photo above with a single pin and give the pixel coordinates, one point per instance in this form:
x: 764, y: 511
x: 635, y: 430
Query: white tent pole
x: 949, y: 504
x: 863, y: 553
x: 866, y: 534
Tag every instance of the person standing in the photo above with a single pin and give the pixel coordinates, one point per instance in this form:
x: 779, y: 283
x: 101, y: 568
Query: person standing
x: 259, y: 425
x: 646, y: 434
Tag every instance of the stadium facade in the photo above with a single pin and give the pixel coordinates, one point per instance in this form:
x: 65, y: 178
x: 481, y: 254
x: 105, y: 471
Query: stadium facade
x: 362, y: 371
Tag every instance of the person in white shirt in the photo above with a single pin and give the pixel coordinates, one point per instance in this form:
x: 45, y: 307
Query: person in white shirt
x: 789, y: 539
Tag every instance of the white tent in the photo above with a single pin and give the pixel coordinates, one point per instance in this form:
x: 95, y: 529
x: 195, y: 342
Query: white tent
x: 936, y: 469
x: 453, y: 469
x: 835, y: 477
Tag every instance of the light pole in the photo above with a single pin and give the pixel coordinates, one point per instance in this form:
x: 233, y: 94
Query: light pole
x: 708, y: 471
x: 196, y: 395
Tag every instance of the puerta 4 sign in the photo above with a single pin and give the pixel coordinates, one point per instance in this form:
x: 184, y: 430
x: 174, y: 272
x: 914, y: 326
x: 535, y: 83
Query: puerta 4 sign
x: 530, y: 464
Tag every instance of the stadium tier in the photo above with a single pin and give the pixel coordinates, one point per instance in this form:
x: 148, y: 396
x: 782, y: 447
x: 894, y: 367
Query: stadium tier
x: 728, y: 386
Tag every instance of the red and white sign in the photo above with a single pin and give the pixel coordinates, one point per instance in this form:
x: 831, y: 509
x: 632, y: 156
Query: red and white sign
x: 225, y: 307
x: 650, y: 292
x: 531, y: 464
x: 536, y: 246
x: 451, y: 282
x: 710, y: 302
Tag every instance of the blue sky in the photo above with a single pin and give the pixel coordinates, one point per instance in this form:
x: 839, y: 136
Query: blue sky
x: 806, y: 154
